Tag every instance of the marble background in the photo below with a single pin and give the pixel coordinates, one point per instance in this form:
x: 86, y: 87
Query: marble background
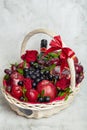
x: 65, y: 17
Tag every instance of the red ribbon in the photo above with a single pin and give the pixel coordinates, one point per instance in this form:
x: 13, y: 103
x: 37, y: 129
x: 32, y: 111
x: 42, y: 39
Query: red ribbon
x: 56, y: 44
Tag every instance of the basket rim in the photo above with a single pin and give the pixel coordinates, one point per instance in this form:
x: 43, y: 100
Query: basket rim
x: 36, y: 106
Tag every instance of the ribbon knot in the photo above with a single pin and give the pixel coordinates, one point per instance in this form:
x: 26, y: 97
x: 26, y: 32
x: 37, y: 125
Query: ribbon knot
x: 56, y: 44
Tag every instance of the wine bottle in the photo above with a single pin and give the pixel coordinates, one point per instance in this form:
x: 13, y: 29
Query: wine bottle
x: 43, y: 46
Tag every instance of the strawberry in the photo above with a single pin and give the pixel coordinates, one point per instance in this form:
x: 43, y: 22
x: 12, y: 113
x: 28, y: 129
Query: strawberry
x: 32, y: 95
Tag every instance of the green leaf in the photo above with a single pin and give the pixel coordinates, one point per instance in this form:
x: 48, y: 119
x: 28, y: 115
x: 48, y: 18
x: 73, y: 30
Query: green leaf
x: 25, y: 99
x: 24, y: 65
x: 67, y: 89
x: 61, y: 93
x: 6, y: 77
x: 20, y: 71
x: 39, y: 95
x: 58, y: 54
x: 35, y: 64
x: 66, y: 97
x: 45, y: 59
x: 52, y: 67
x: 39, y: 56
x: 42, y: 93
x: 16, y: 64
x: 53, y: 55
x: 24, y: 90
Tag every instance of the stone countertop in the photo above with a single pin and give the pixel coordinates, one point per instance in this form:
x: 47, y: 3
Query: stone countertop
x: 67, y: 18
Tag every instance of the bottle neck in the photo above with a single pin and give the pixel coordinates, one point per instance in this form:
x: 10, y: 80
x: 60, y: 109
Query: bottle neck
x: 43, y: 46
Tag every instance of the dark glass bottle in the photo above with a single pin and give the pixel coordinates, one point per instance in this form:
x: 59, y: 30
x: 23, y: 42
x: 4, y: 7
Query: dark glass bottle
x: 43, y: 46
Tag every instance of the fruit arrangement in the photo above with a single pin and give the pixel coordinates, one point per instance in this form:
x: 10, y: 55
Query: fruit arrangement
x: 43, y: 77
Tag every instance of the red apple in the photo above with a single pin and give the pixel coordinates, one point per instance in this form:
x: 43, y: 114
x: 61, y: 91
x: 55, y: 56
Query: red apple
x: 48, y: 88
x: 32, y: 95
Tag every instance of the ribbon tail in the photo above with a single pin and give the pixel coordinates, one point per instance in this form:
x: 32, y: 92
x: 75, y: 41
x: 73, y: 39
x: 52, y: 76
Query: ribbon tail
x: 58, y: 40
x: 63, y: 65
x: 51, y: 49
x: 68, y: 52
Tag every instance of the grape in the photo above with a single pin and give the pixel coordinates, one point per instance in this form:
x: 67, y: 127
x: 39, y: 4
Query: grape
x: 78, y: 80
x: 41, y: 77
x: 47, y: 72
x: 34, y: 84
x: 37, y: 71
x: 20, y: 83
x: 46, y: 99
x: 38, y: 75
x: 42, y: 72
x: 38, y: 80
x: 50, y: 77
x: 40, y: 99
x: 32, y: 63
x: 56, y: 77
x: 33, y: 76
x: 7, y: 71
x: 55, y: 61
x: 78, y: 68
x: 36, y: 66
x: 41, y: 62
x: 22, y: 98
x: 77, y: 76
x: 25, y: 70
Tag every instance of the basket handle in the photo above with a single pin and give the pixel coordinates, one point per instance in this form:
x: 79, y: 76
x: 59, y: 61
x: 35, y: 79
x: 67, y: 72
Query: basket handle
x: 51, y: 34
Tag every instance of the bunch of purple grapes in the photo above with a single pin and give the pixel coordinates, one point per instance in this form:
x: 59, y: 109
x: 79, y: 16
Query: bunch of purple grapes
x: 79, y: 73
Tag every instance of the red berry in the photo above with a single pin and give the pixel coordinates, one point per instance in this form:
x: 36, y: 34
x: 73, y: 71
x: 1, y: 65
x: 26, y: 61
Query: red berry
x: 16, y: 91
x: 32, y: 95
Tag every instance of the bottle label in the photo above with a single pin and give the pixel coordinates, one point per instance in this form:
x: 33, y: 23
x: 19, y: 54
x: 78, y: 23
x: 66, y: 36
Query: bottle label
x: 43, y: 49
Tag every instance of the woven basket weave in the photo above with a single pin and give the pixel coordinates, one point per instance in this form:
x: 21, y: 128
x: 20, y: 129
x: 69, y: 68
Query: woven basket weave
x: 40, y: 110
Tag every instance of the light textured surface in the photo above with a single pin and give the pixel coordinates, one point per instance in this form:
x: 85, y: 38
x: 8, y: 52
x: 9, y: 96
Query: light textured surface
x: 65, y: 17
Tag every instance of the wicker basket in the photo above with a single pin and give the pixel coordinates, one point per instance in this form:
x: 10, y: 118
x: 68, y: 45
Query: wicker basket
x: 40, y: 110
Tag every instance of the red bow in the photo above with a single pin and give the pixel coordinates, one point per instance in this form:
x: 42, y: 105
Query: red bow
x: 66, y: 52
